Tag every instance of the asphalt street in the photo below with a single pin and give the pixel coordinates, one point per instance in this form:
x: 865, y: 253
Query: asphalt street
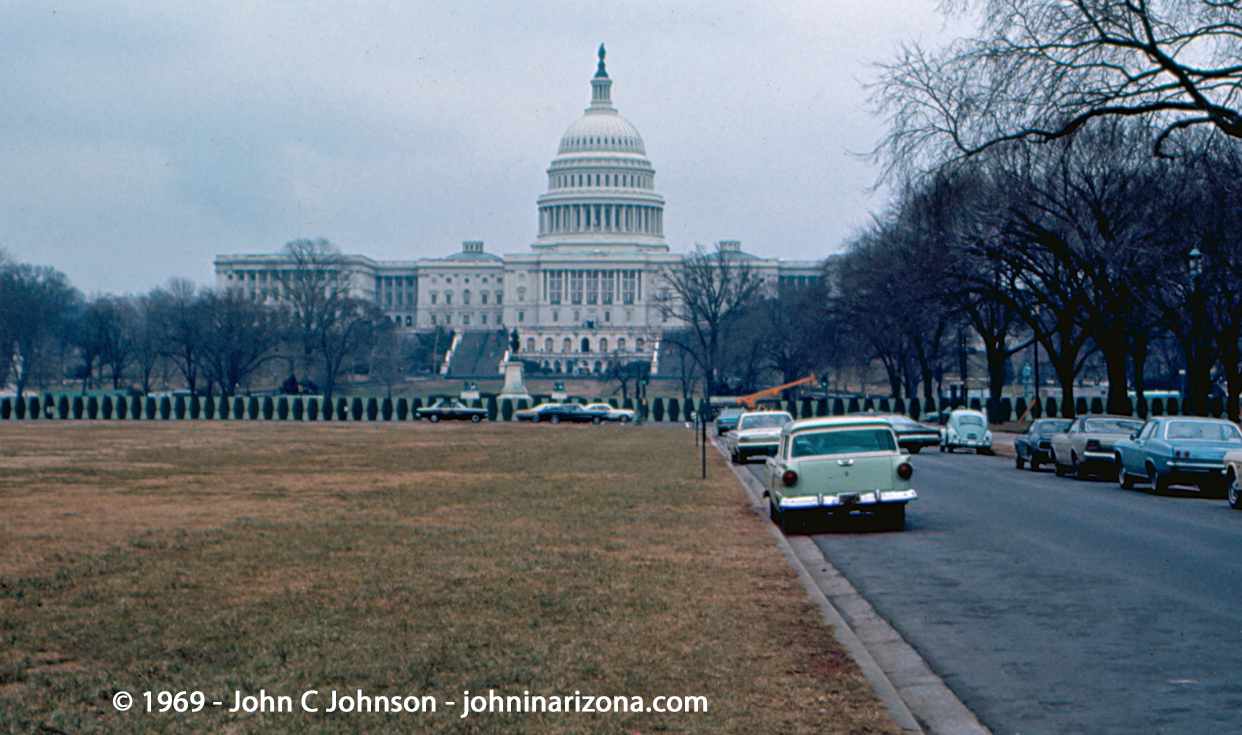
x: 1053, y: 605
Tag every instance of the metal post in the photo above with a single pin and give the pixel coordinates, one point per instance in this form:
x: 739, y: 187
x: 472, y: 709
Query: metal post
x: 706, y: 404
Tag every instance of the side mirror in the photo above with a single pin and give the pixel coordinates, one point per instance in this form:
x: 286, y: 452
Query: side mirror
x: 1134, y: 436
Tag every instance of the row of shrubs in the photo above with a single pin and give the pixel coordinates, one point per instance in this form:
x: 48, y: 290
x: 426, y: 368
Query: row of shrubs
x: 283, y: 408
x: 299, y: 408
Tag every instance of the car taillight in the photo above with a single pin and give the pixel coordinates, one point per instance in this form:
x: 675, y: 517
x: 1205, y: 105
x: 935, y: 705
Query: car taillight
x: 1093, y: 444
x: 905, y: 470
x: 790, y: 478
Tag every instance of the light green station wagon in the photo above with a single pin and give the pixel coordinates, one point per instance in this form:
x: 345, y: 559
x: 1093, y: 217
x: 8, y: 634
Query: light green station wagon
x: 835, y: 467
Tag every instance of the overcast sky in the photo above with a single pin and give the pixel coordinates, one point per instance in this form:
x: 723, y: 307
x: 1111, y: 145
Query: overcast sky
x: 141, y: 138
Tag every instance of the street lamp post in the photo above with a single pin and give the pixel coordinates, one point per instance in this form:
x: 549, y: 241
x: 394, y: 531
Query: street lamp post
x: 1194, y: 372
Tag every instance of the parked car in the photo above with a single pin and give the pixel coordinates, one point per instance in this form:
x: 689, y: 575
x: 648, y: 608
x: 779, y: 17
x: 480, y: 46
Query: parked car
x: 449, y: 409
x: 558, y: 412
x: 727, y: 420
x: 968, y: 429
x: 1177, y: 450
x: 1233, y: 471
x: 757, y: 432
x: 911, y: 435
x: 1086, y: 447
x: 838, y: 466
x: 539, y: 413
x: 1033, y: 445
x: 624, y: 415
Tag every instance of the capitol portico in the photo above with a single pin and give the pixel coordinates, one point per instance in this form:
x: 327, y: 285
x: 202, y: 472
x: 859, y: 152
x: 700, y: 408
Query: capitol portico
x: 585, y: 294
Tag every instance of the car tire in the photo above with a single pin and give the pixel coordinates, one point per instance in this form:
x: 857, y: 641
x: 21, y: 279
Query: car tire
x: 434, y: 418
x: 555, y: 419
x: 1233, y: 492
x: 625, y: 419
x: 475, y: 418
x: 773, y: 513
x: 985, y: 451
x: 596, y: 420
x: 1158, y: 483
x: 1123, y: 478
x: 1018, y: 462
x: 1034, y: 464
x: 534, y: 419
x: 1060, y: 469
x: 893, y: 517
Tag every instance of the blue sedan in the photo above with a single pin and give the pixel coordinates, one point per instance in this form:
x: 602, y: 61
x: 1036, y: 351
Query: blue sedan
x: 1177, y: 450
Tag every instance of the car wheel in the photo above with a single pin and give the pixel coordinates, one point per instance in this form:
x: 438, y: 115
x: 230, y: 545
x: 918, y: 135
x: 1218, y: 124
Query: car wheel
x: 475, y: 418
x: 434, y: 418
x: 893, y: 517
x: 595, y: 420
x: 556, y: 419
x: 1061, y: 470
x: 1034, y: 464
x: 985, y: 451
x: 1158, y: 483
x: 625, y: 419
x: 1018, y: 462
x: 773, y: 513
x: 1123, y: 478
x: 1233, y: 492
x: 534, y: 419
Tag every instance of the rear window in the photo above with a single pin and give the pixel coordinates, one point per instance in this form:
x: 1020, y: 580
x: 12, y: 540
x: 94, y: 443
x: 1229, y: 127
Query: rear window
x: 764, y: 421
x: 1046, y: 428
x: 970, y: 421
x: 1203, y: 430
x: 1112, y: 426
x: 843, y: 441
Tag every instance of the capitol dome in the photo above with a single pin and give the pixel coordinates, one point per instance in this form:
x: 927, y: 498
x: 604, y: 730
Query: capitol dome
x: 601, y: 186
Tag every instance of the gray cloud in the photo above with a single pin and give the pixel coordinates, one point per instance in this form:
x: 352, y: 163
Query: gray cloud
x: 140, y: 139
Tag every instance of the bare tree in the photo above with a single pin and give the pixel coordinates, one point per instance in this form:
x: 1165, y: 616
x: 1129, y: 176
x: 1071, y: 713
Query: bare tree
x: 179, y: 312
x: 1039, y: 70
x: 36, y: 303
x: 241, y: 336
x: 146, y: 337
x: 706, y: 293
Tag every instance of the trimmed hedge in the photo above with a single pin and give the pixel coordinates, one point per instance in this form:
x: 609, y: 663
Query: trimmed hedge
x: 209, y: 407
x: 853, y: 405
x: 105, y: 407
x: 1050, y: 408
x: 628, y: 403
x: 299, y: 408
x: 522, y: 404
x: 1170, y: 407
x: 493, y: 410
x: 914, y: 409
x: 657, y: 409
x: 282, y: 408
x: 312, y: 409
x: 372, y: 409
x: 674, y: 410
x: 357, y: 408
x: 386, y: 408
x: 1097, y: 405
x: 19, y: 408
x: 1217, y: 406
x: 838, y: 407
x: 884, y: 405
x: 122, y: 407
x: 1142, y: 407
x: 403, y: 408
x: 506, y: 409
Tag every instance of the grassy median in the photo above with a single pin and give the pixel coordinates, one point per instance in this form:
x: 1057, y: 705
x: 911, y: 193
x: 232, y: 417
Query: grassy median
x: 409, y: 559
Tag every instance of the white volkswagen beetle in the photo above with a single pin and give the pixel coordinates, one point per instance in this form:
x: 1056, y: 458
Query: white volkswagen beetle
x: 968, y: 429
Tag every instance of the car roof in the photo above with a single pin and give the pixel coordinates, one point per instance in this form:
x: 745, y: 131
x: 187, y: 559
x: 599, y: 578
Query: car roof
x: 837, y: 422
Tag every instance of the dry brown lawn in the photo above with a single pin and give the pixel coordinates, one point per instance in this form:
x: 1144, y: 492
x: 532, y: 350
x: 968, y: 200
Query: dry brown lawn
x: 398, y: 559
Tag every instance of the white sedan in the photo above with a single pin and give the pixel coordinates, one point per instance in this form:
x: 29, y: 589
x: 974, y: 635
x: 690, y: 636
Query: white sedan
x: 758, y: 432
x: 624, y: 415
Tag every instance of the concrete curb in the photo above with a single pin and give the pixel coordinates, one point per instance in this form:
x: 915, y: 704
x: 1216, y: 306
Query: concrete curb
x: 917, y: 699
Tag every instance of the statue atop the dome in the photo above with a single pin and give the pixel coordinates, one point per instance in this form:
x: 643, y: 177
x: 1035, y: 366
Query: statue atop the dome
x: 600, y: 71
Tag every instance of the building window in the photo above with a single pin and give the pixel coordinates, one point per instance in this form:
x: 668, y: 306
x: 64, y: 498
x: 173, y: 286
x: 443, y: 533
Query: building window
x: 586, y: 344
x: 433, y: 319
x: 575, y: 287
x: 484, y: 319
x: 547, y: 345
x: 521, y: 316
x: 556, y: 315
x: 628, y: 287
x: 592, y: 287
x: 606, y: 287
x: 577, y: 316
x: 465, y: 320
x: 465, y: 296
x: 483, y: 297
x: 603, y: 344
x: 448, y: 319
x: 607, y: 316
x: 409, y: 320
x: 448, y: 298
x: 500, y: 297
x: 621, y: 345
x: 567, y: 345
x: 530, y: 344
x: 555, y: 281
x: 521, y: 294
x: 433, y: 297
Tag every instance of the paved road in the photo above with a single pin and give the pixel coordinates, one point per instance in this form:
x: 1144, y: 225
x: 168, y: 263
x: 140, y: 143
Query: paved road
x: 1062, y: 606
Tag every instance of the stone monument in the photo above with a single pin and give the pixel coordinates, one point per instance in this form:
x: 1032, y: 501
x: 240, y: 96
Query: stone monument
x: 515, y: 386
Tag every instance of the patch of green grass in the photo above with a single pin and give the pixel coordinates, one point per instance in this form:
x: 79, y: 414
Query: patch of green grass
x: 399, y: 560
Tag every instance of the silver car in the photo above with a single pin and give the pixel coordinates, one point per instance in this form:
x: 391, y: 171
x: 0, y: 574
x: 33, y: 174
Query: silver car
x: 758, y: 432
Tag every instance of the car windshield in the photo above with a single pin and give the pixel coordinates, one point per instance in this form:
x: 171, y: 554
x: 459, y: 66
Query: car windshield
x: 1112, y: 426
x: 900, y: 422
x: 764, y: 421
x: 1203, y: 431
x: 970, y: 420
x: 843, y: 441
x: 1047, y: 428
x: 731, y: 413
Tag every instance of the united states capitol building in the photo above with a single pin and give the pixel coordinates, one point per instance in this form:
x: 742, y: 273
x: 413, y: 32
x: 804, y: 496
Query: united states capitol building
x: 584, y: 295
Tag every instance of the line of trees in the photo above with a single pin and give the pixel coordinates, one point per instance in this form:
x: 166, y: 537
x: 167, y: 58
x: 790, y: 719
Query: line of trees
x: 211, y: 342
